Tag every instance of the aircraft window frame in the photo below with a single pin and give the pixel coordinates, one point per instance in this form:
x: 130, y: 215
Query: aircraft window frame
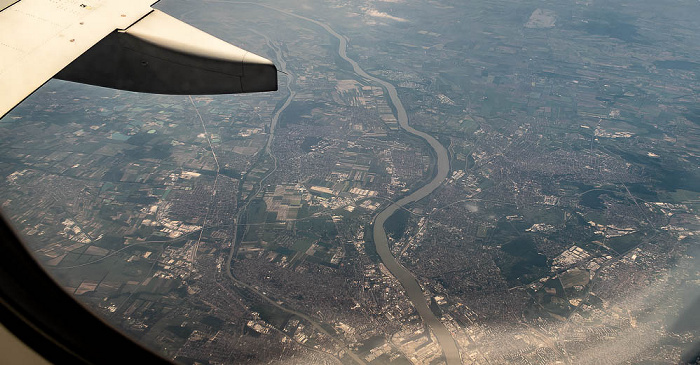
x: 52, y: 322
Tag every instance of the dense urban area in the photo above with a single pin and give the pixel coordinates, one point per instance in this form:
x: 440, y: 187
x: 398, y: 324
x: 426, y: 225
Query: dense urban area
x: 241, y: 228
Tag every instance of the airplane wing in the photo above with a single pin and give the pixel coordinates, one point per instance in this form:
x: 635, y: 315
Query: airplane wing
x: 123, y: 44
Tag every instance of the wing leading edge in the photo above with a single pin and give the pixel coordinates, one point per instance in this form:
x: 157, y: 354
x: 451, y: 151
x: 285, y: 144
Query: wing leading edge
x: 122, y: 44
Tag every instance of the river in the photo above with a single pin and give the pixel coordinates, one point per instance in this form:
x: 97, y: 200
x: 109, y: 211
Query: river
x: 407, y: 280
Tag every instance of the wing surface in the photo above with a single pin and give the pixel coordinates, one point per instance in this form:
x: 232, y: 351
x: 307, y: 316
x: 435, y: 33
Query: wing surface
x: 38, y: 38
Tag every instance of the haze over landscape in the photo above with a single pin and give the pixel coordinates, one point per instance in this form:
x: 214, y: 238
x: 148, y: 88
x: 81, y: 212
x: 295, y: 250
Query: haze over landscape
x: 435, y: 182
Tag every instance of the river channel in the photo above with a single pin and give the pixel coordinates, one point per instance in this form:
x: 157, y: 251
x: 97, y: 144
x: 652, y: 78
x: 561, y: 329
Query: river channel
x: 407, y: 280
